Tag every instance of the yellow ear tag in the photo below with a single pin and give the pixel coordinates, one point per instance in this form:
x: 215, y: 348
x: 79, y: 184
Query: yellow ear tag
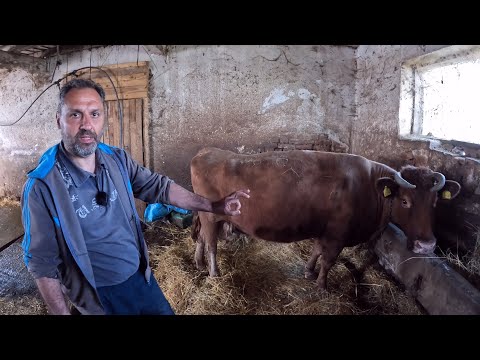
x: 386, y: 192
x: 446, y: 194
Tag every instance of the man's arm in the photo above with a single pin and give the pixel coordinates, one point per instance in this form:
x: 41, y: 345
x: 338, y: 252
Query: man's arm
x: 51, y: 292
x: 229, y: 205
x: 40, y: 246
x: 153, y: 187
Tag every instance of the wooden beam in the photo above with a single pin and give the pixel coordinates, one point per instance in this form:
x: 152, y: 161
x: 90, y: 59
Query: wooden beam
x: 435, y: 285
x: 130, y: 80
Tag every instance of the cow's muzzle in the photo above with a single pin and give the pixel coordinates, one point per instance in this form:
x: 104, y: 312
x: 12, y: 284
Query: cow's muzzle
x: 424, y: 247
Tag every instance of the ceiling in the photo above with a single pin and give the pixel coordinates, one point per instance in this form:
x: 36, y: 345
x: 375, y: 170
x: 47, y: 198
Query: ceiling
x: 43, y: 51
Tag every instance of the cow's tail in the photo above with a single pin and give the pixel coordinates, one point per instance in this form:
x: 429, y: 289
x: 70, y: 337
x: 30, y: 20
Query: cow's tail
x: 196, y: 226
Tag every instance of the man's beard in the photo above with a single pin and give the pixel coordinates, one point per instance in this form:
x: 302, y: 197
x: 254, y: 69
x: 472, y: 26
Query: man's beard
x: 74, y: 146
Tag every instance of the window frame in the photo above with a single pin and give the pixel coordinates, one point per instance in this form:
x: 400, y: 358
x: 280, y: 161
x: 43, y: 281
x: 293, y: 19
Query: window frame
x: 410, y: 109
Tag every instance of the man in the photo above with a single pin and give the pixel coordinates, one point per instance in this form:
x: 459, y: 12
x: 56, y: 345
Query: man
x: 82, y: 234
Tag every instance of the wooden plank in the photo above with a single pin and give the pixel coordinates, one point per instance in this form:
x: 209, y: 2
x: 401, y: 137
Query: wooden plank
x: 133, y: 93
x: 110, y: 104
x: 125, y: 92
x: 112, y: 109
x: 95, y: 74
x: 136, y: 136
x: 117, y: 80
x: 428, y: 278
x: 121, y: 84
x: 126, y: 125
x: 124, y: 87
x: 120, y: 69
x: 130, y: 80
x: 106, y: 136
x: 145, y: 133
x: 115, y: 124
x: 136, y: 131
x: 126, y: 77
x: 129, y: 65
x: 137, y: 72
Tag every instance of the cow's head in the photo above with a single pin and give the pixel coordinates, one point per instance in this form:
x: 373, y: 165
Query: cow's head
x: 414, y: 192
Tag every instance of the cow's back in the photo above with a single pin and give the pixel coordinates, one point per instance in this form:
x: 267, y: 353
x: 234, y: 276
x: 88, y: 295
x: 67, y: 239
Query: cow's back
x: 294, y: 194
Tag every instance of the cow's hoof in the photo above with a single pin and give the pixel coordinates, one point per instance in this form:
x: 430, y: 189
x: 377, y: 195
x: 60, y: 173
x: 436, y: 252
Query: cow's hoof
x: 311, y: 275
x: 201, y: 267
x: 215, y: 274
x: 322, y: 292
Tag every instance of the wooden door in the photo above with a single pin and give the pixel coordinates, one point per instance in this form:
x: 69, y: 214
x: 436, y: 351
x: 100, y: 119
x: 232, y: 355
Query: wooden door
x: 127, y: 109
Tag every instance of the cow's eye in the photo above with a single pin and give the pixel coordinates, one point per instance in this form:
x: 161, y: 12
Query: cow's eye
x: 405, y: 203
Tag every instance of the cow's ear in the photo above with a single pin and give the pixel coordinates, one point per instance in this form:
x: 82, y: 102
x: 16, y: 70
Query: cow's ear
x: 450, y: 190
x: 386, y: 187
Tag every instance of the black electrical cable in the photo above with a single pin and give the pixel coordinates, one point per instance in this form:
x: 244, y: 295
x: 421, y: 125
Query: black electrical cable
x: 55, y: 83
x: 74, y: 73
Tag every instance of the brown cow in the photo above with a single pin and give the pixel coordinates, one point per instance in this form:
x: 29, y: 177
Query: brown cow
x: 337, y: 199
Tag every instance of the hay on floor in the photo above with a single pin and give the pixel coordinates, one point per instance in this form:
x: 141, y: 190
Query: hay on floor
x: 257, y: 277
x: 260, y: 277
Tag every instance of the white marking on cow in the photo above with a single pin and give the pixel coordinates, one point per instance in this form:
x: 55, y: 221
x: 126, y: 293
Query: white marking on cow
x: 291, y: 170
x: 279, y: 161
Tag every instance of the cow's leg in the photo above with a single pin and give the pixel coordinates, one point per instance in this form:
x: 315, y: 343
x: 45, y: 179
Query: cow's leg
x: 199, y: 254
x: 198, y: 220
x: 208, y: 238
x: 310, y: 272
x: 330, y: 251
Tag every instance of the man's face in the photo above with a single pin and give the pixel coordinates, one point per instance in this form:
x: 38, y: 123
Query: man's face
x: 81, y: 121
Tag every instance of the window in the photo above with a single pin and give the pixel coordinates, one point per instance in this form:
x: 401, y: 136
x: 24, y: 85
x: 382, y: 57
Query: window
x: 440, y: 95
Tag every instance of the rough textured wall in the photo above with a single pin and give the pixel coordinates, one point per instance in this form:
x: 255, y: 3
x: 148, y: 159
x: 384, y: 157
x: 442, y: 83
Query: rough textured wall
x: 375, y: 129
x: 243, y: 98
x: 375, y: 135
x: 246, y: 97
x: 21, y: 80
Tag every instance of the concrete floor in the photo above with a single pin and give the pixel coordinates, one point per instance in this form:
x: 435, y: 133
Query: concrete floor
x: 14, y: 277
x: 15, y: 280
x: 10, y: 224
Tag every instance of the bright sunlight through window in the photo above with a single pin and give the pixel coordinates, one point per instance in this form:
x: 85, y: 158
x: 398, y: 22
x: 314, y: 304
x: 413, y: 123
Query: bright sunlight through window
x: 441, y: 95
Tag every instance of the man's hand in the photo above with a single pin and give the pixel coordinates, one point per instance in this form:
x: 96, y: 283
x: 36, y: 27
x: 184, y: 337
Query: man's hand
x: 52, y: 294
x: 230, y: 205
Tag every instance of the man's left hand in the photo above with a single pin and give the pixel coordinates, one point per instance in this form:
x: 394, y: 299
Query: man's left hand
x: 230, y: 205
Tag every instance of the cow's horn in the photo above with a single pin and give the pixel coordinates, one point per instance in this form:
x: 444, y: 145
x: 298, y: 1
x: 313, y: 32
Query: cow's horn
x: 440, y: 181
x: 402, y: 182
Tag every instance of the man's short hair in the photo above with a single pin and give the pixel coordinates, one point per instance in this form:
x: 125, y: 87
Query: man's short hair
x: 79, y: 83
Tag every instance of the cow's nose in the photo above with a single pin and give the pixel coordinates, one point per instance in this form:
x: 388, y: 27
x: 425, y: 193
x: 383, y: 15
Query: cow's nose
x: 424, y: 246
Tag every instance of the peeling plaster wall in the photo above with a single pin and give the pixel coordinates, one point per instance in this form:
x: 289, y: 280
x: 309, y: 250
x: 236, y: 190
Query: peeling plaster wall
x: 21, y: 80
x: 375, y: 136
x: 245, y: 97
x: 242, y: 98
x: 377, y: 93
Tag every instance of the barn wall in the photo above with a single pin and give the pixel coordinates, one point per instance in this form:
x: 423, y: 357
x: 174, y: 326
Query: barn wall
x: 243, y: 98
x: 375, y: 135
x: 21, y: 80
